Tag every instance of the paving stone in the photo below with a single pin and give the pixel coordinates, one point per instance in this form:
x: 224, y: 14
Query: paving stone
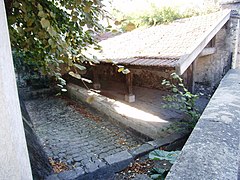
x: 93, y: 166
x: 141, y: 150
x: 141, y: 177
x: 78, y: 159
x: 119, y: 161
x: 52, y: 177
x: 69, y: 136
x: 79, y: 171
x: 77, y: 164
x: 67, y: 175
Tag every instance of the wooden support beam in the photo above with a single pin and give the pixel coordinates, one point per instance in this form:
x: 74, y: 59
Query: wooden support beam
x: 190, y: 78
x: 129, y: 83
x: 186, y: 60
x: 129, y: 97
x: 96, y: 82
x: 193, y: 75
x: 208, y: 51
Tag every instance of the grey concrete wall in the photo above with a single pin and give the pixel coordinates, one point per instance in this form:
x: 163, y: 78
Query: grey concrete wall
x: 211, y: 68
x: 14, y: 160
x: 212, y: 150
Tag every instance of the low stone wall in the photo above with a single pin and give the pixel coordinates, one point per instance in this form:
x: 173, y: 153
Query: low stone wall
x: 210, y: 69
x: 212, y: 150
x: 120, y: 113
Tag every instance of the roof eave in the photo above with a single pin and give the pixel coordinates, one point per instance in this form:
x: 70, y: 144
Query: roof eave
x: 186, y: 60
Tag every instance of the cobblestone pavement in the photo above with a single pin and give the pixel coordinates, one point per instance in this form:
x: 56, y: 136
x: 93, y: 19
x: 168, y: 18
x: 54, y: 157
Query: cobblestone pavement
x: 75, y: 134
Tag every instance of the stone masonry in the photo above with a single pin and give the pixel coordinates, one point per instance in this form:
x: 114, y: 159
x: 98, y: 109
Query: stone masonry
x: 72, y: 137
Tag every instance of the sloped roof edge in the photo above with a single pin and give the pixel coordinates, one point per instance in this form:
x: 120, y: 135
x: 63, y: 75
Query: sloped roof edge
x: 186, y: 60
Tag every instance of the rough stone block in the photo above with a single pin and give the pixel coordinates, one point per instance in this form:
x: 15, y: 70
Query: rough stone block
x: 67, y: 175
x: 141, y: 177
x: 52, y: 177
x: 79, y: 172
x: 166, y: 140
x: 130, y: 98
x: 119, y: 161
x: 93, y: 166
x: 141, y: 150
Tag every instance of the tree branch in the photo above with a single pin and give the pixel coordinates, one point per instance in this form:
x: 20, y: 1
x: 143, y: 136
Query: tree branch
x: 8, y: 6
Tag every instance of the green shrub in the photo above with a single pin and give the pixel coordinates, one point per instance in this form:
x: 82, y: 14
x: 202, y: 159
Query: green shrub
x: 183, y: 100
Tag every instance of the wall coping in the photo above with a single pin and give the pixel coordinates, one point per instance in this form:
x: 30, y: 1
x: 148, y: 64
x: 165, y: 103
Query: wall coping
x: 212, y: 150
x: 224, y: 2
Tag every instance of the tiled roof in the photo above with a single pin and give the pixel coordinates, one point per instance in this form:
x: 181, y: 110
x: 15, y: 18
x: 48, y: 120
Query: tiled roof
x: 161, y: 45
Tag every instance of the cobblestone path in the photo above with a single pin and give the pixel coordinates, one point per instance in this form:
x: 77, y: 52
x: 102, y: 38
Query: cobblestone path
x: 74, y: 134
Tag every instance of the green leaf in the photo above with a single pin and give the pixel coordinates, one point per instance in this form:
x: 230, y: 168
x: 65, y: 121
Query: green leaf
x: 45, y: 23
x: 114, y: 31
x: 117, y: 23
x: 121, y: 69
x: 75, y: 75
x: 42, y: 14
x: 174, y: 76
x: 40, y: 8
x: 126, y: 71
x: 109, y: 60
x: 75, y: 18
x: 174, y: 89
x: 81, y: 68
x: 87, y: 9
x: 90, y: 99
x: 52, y: 32
x: 130, y: 26
x: 78, y: 2
x: 164, y: 155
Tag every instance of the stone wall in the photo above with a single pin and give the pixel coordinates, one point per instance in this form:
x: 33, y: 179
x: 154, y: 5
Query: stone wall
x: 38, y: 158
x: 210, y: 69
x: 142, y: 76
x: 150, y: 78
x: 234, y: 30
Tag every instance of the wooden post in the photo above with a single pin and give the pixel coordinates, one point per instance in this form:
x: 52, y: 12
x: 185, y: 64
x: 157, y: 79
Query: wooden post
x: 129, y: 97
x: 193, y: 75
x: 14, y: 159
x: 96, y: 82
x: 190, y: 77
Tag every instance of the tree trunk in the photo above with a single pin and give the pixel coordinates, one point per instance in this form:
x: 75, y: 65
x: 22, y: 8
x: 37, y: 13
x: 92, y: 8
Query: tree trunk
x: 8, y: 6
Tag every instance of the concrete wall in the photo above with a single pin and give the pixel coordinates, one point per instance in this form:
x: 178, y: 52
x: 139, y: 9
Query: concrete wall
x: 14, y: 160
x: 210, y: 69
x: 212, y: 150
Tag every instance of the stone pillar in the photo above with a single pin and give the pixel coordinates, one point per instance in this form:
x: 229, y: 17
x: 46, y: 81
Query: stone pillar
x: 14, y: 159
x: 234, y: 25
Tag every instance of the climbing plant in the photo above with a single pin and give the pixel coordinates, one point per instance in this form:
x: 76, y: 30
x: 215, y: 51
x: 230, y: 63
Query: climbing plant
x: 181, y: 99
x: 51, y: 34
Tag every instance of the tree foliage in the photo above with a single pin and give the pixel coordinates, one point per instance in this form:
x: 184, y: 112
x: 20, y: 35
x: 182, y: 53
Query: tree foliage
x: 48, y: 33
